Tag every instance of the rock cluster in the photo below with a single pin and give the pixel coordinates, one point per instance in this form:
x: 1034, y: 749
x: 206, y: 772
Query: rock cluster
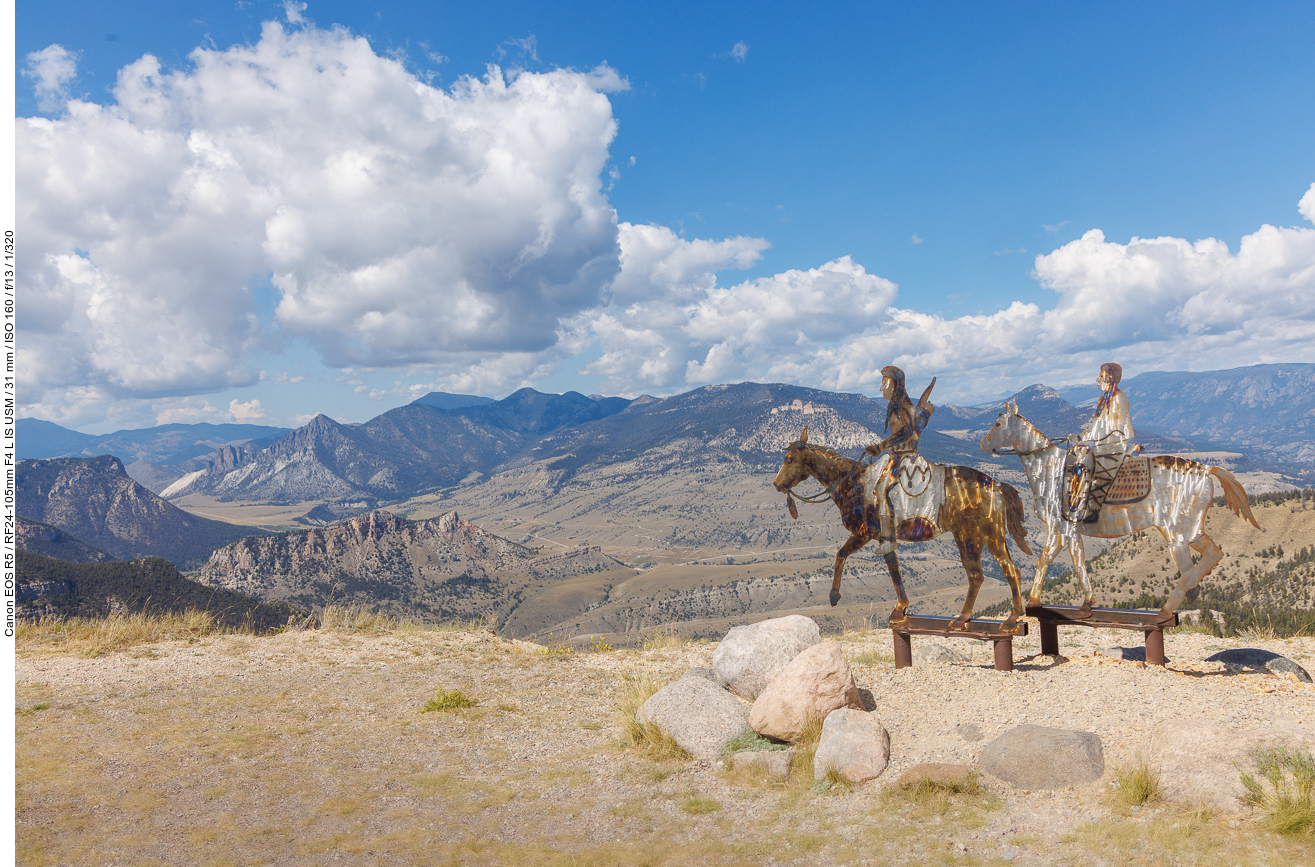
x: 793, y: 680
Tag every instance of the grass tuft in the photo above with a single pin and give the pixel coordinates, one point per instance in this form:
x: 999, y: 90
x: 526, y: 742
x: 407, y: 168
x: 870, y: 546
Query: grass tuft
x: 1137, y: 785
x: 801, y: 763
x: 1285, y: 789
x: 447, y: 700
x: 664, y: 639
x: 696, y: 805
x: 928, y: 797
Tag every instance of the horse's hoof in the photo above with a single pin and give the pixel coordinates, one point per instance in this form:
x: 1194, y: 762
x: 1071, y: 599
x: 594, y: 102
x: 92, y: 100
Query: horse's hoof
x: 1165, y: 618
x: 898, y: 617
x: 1083, y: 612
x: 1008, y: 628
x: 960, y: 624
x: 835, y: 598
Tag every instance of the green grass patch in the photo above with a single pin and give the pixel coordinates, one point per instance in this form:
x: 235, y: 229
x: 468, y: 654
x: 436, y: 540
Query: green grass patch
x: 445, y: 699
x: 1136, y: 785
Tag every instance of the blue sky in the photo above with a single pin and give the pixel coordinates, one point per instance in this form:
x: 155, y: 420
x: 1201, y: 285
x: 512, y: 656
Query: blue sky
x: 650, y: 197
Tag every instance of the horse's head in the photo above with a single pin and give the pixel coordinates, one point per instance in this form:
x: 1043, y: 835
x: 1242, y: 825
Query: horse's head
x: 794, y: 468
x: 1008, y: 431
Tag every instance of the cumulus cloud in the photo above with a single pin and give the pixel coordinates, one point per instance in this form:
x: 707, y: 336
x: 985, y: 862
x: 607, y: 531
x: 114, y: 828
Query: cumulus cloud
x: 52, y: 68
x: 399, y: 223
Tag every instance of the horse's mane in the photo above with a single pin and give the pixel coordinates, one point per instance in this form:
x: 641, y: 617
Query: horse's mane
x: 830, y: 453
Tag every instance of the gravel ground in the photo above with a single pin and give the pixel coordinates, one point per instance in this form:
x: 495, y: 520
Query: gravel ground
x: 310, y: 748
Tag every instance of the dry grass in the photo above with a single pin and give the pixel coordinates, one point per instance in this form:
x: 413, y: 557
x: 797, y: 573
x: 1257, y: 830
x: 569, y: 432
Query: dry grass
x: 1285, y: 790
x: 91, y: 637
x: 638, y: 688
x: 663, y: 639
x: 931, y: 797
x: 1136, y: 785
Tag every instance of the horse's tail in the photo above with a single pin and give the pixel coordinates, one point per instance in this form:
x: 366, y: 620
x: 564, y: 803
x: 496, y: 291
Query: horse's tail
x: 1014, y: 515
x: 1235, y: 496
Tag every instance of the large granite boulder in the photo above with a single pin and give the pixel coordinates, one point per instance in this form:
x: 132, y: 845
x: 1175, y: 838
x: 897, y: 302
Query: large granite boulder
x: 816, y: 682
x: 931, y: 653
x: 749, y: 656
x: 697, y: 713
x: 854, y: 743
x: 1202, y: 763
x: 1036, y: 757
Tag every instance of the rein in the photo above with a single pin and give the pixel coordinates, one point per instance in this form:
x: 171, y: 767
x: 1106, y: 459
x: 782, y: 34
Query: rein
x: 1005, y: 451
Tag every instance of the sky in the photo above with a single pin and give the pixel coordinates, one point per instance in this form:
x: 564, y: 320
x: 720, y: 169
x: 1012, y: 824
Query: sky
x: 259, y: 211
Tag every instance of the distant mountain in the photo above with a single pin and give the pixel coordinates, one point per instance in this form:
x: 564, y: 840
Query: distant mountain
x: 406, y: 450
x: 154, y: 457
x: 443, y: 400
x: 1267, y: 409
x: 435, y: 570
x: 93, y: 500
x: 54, y: 587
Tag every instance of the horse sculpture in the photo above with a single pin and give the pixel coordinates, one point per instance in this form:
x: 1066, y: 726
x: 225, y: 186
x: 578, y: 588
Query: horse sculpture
x: 1174, y: 497
x: 980, y: 511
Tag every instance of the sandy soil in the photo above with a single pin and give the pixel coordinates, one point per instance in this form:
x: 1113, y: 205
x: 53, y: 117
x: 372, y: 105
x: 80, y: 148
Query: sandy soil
x: 311, y: 748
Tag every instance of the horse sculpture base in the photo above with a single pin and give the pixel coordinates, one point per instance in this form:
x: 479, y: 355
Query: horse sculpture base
x: 1149, y: 622
x: 979, y: 630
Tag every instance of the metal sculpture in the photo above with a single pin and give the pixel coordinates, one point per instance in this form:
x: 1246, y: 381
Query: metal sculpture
x: 897, y: 455
x: 1171, y: 494
x: 980, y: 511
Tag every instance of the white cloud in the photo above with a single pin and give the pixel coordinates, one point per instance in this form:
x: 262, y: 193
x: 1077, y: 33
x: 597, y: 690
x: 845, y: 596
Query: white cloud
x: 915, y: 240
x: 1306, y: 206
x: 739, y: 51
x: 401, y: 224
x: 247, y: 411
x: 53, y: 67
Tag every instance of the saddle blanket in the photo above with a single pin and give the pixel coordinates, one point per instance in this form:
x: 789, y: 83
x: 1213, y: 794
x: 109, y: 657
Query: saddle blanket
x: 1132, y: 484
x: 914, y: 514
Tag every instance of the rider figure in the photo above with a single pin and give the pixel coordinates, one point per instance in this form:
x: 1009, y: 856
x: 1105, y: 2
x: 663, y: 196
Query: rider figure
x: 1106, y: 438
x: 905, y: 423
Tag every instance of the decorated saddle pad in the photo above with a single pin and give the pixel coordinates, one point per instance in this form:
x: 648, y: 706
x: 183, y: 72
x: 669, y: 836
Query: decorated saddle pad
x: 914, y: 514
x: 1133, y: 483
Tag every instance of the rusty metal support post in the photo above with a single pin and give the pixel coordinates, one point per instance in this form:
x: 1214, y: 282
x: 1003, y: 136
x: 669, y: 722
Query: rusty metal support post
x: 1004, y: 654
x: 1155, y: 647
x: 903, y: 649
x: 1049, y: 638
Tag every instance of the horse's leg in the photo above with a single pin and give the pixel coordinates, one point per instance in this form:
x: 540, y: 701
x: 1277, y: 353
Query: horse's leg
x: 970, y: 553
x: 1000, y: 551
x: 1192, y: 574
x: 1078, y: 552
x: 1054, y: 541
x: 856, y: 540
x: 897, y: 616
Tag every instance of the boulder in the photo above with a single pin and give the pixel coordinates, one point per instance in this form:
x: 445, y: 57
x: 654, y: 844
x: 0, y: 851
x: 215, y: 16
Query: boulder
x: 930, y: 653
x: 772, y: 763
x: 697, y: 713
x: 1036, y: 757
x: 1259, y: 660
x: 1202, y: 763
x: 816, y: 682
x: 942, y: 773
x: 854, y: 743
x: 749, y: 656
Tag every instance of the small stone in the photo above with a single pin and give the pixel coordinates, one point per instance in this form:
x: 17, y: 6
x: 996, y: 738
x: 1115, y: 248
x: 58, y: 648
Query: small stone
x: 931, y: 653
x: 970, y: 732
x: 945, y: 773
x: 774, y: 763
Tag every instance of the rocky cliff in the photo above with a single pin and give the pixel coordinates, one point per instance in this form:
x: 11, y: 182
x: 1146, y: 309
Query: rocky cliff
x: 435, y: 570
x: 94, y: 500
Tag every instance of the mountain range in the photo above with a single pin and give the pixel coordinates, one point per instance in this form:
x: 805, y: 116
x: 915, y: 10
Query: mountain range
x: 94, y: 501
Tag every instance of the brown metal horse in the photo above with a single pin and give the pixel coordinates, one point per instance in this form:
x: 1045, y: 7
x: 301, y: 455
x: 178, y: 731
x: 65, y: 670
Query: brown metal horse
x: 980, y: 511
